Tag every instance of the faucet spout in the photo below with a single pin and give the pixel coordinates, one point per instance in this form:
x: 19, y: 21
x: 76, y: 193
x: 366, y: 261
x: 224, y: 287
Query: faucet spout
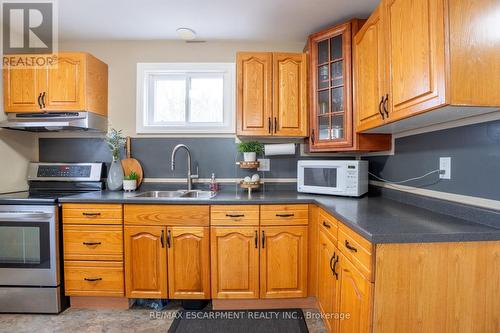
x: 172, y: 165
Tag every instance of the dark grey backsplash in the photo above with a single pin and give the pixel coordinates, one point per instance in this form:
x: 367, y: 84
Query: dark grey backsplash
x: 475, y: 160
x: 217, y: 155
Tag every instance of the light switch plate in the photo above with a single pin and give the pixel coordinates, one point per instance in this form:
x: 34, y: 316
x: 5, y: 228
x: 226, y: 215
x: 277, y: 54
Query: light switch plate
x: 264, y: 164
x: 445, y: 165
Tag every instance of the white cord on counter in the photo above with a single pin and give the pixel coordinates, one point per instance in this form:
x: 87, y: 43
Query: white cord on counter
x: 406, y: 180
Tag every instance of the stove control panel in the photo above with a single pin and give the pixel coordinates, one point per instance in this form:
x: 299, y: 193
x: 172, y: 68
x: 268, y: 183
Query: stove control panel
x: 65, y: 171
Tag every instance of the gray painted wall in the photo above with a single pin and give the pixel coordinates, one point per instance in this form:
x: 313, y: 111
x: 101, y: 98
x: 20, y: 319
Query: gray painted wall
x: 218, y: 155
x: 475, y: 160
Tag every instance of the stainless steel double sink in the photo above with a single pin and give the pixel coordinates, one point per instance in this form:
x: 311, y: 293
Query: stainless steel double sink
x: 180, y: 194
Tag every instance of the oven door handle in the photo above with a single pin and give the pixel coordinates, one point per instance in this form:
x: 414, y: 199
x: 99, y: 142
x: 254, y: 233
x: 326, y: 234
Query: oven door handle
x: 25, y: 216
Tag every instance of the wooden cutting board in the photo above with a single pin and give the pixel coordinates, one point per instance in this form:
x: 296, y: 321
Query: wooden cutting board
x: 131, y: 164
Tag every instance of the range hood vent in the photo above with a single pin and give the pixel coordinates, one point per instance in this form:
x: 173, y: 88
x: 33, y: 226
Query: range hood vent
x: 55, y: 122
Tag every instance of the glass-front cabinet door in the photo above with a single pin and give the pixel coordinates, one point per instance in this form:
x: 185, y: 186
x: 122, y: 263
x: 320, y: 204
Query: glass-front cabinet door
x: 331, y: 88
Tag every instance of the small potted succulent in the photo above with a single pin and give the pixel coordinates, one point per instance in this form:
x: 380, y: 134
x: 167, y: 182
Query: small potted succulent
x: 130, y: 182
x: 250, y: 150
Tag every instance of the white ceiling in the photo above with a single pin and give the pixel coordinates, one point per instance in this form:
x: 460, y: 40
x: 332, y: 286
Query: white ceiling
x: 257, y: 20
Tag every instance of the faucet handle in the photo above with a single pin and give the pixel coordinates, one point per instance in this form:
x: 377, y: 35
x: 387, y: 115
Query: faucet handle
x: 196, y: 176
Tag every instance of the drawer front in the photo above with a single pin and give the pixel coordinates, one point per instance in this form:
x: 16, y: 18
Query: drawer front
x: 233, y: 215
x: 328, y: 224
x: 93, y: 278
x: 97, y: 242
x: 357, y: 249
x: 284, y: 214
x: 92, y: 214
x: 172, y: 215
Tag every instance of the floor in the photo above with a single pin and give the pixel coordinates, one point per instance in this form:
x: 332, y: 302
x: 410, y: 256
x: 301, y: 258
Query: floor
x: 109, y: 321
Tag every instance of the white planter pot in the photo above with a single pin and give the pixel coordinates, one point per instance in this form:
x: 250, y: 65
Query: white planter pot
x: 250, y: 157
x: 129, y: 185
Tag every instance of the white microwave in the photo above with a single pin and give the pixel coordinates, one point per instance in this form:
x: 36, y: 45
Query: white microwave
x: 334, y: 177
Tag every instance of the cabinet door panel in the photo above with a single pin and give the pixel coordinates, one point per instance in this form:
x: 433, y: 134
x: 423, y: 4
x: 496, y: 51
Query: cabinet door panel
x: 369, y: 73
x: 188, y: 262
x: 289, y: 98
x: 65, y: 84
x: 145, y: 262
x: 283, y: 262
x: 235, y: 262
x: 328, y: 283
x: 356, y: 298
x: 254, y: 93
x: 21, y: 89
x: 415, y: 33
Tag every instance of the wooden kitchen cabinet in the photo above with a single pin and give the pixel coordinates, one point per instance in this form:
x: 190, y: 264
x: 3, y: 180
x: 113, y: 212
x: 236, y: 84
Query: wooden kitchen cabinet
x: 234, y: 262
x: 271, y: 94
x: 74, y: 81
x: 332, y: 115
x: 188, y: 262
x: 283, y: 262
x: 440, y: 64
x: 145, y: 262
x: 328, y: 280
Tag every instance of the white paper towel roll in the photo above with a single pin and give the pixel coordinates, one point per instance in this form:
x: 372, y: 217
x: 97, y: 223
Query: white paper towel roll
x: 280, y: 149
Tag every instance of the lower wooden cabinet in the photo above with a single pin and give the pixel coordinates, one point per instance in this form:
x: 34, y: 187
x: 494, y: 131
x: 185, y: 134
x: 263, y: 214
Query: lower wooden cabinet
x: 235, y: 262
x: 283, y: 262
x: 328, y: 280
x: 145, y: 262
x: 93, y: 278
x: 188, y: 262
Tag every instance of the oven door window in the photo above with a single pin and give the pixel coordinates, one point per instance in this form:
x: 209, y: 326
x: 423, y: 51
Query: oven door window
x: 320, y: 177
x: 24, y: 245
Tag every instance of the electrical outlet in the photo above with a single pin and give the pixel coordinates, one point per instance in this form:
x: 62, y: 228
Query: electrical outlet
x: 265, y: 164
x: 445, y: 167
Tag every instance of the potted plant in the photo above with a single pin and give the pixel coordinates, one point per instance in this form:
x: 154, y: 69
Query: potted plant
x: 115, y: 141
x: 250, y: 150
x: 130, y: 182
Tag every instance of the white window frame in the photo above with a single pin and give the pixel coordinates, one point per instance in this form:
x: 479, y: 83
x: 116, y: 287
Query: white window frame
x: 145, y: 71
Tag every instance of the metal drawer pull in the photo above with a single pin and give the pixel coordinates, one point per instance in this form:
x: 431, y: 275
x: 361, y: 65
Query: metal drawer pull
x: 350, y: 247
x: 92, y: 279
x: 326, y: 225
x: 235, y: 215
x: 91, y: 214
x: 91, y: 243
x: 285, y: 215
x: 335, y: 268
x: 263, y: 239
x: 256, y: 239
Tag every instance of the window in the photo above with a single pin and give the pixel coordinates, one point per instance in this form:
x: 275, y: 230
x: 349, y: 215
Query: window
x: 185, y: 98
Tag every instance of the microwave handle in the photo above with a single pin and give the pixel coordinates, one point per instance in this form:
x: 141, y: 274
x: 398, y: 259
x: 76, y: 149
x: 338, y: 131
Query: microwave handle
x: 24, y: 216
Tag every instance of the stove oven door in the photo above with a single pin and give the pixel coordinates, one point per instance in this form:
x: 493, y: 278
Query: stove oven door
x: 29, y: 246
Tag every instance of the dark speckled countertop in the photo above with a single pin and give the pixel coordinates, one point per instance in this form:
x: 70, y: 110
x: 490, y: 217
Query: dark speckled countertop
x: 378, y: 219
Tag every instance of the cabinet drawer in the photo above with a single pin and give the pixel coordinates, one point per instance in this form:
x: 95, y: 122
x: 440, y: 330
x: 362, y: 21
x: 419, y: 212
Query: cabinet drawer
x: 97, y: 242
x: 232, y: 215
x: 284, y: 214
x: 92, y: 214
x: 328, y: 224
x: 172, y: 215
x: 357, y: 249
x: 93, y: 278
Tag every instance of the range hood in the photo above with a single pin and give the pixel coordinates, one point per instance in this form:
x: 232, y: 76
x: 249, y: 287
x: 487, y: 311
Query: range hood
x: 55, y: 122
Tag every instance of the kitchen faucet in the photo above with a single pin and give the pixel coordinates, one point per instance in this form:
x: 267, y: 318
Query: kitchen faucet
x: 190, y: 177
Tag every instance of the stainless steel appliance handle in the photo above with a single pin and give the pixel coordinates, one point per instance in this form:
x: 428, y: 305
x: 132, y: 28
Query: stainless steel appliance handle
x: 25, y: 216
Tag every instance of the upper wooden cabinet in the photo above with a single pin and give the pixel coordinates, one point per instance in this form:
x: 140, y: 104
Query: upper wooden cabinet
x: 271, y: 94
x: 331, y: 93
x: 73, y: 82
x: 440, y: 56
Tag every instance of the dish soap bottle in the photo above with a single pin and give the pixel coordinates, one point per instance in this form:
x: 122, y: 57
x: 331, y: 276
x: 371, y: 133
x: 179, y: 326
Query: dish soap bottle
x: 214, y: 186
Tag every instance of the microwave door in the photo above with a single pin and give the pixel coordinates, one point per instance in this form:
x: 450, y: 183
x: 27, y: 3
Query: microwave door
x: 322, y: 178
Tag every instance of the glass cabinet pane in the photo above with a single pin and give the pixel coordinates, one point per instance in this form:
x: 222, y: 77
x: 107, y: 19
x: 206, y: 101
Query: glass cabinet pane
x: 323, y: 77
x: 323, y: 101
x: 323, y: 52
x: 338, y: 99
x: 336, y: 48
x: 323, y: 127
x: 337, y: 130
x: 337, y: 73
